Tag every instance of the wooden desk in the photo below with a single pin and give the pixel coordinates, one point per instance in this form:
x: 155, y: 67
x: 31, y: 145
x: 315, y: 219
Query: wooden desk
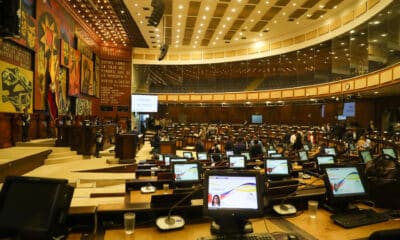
x: 306, y: 228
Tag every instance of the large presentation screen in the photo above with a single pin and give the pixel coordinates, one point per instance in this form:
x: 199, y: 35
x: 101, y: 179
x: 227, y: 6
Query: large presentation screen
x: 144, y: 103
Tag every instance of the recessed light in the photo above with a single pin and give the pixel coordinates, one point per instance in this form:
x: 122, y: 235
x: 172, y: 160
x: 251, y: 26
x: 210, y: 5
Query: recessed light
x: 180, y: 6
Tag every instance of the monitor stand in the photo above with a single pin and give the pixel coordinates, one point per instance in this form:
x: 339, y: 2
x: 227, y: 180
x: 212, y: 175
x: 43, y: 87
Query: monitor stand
x: 231, y: 226
x: 340, y: 207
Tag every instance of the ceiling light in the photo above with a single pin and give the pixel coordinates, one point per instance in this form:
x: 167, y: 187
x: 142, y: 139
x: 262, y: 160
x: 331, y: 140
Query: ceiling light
x: 180, y: 6
x: 207, y: 8
x: 233, y: 10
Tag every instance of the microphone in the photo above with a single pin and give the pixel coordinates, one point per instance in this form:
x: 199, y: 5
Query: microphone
x: 172, y: 222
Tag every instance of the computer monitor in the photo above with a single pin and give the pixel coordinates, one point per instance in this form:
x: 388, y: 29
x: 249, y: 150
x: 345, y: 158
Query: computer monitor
x: 276, y: 155
x: 246, y: 154
x: 34, y: 208
x: 229, y: 153
x: 270, y: 151
x: 167, y: 160
x: 330, y: 151
x: 231, y: 198
x: 237, y: 161
x: 390, y: 151
x: 344, y: 184
x: 187, y: 155
x: 177, y: 159
x: 303, y: 156
x: 306, y: 147
x: 323, y: 160
x: 186, y: 173
x: 202, y: 156
x: 365, y: 156
x: 276, y: 168
x: 160, y: 157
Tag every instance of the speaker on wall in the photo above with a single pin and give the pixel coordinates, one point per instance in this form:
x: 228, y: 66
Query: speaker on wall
x: 163, y: 51
x: 10, y: 12
x: 157, y: 13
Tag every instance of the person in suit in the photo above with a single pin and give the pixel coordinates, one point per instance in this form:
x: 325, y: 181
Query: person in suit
x: 26, y: 120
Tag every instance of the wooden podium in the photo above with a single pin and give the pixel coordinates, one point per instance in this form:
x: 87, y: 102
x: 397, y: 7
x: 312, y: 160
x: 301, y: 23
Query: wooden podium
x: 125, y: 147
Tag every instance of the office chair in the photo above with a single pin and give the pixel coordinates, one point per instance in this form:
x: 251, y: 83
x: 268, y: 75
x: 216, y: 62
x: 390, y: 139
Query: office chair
x: 391, y: 234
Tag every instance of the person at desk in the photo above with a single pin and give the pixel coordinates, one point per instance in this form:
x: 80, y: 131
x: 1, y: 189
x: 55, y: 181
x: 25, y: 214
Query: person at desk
x: 363, y: 143
x: 199, y: 147
x: 155, y: 143
x: 255, y: 150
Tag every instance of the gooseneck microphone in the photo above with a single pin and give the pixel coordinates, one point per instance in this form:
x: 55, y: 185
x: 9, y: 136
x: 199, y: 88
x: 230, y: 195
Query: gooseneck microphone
x: 172, y: 222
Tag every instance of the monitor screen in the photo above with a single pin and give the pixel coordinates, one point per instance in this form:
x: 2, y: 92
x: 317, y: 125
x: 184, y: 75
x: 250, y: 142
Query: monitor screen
x: 325, y: 159
x: 237, y: 161
x: 167, y: 160
x: 256, y: 119
x: 344, y: 181
x: 390, y: 151
x: 176, y: 159
x: 246, y: 154
x: 144, y: 103
x: 186, y: 171
x: 160, y: 157
x: 270, y: 151
x: 303, y: 155
x: 202, y: 156
x: 365, y: 156
x: 233, y: 194
x: 187, y: 155
x: 34, y: 208
x: 229, y: 153
x: 349, y: 109
x: 330, y: 151
x: 277, y: 167
x: 276, y: 155
x: 306, y: 147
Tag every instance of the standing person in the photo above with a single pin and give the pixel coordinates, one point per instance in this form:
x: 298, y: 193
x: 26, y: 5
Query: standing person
x: 26, y: 120
x: 99, y: 142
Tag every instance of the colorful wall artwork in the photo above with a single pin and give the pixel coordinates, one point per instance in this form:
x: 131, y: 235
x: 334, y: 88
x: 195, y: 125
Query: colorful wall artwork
x: 87, y: 75
x: 16, y: 88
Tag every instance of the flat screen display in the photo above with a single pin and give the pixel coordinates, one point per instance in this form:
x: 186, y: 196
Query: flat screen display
x: 246, y: 154
x: 323, y: 160
x: 349, y: 109
x: 229, y: 153
x: 232, y: 192
x: 186, y: 172
x: 303, y: 156
x: 256, y: 119
x: 276, y: 167
x: 389, y: 151
x: 187, y: 154
x: 365, y: 156
x: 237, y: 161
x: 330, y: 151
x: 202, y: 156
x: 344, y: 181
x: 144, y: 103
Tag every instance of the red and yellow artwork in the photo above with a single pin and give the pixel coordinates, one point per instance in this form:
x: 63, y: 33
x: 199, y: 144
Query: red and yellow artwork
x: 74, y: 73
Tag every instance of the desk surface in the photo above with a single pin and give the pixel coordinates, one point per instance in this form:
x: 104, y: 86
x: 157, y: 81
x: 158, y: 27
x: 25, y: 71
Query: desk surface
x: 305, y: 227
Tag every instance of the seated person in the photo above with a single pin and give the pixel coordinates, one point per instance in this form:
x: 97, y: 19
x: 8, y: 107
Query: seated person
x: 363, y: 143
x: 255, y: 150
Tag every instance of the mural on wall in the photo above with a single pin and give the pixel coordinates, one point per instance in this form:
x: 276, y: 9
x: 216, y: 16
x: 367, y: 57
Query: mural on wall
x: 83, y: 107
x: 63, y: 102
x: 16, y: 88
x: 87, y: 75
x: 74, y: 73
x: 27, y: 31
x: 48, y: 64
x: 65, y: 60
x: 96, y: 81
